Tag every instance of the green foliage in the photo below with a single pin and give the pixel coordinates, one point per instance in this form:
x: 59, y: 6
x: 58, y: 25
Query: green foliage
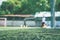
x: 57, y: 5
x: 2, y: 12
x: 30, y: 34
x: 27, y: 6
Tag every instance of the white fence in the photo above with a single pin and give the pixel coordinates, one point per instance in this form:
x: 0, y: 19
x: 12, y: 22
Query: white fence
x: 19, y: 23
x: 28, y: 23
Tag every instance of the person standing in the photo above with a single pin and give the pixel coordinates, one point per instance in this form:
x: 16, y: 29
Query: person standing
x: 43, y: 22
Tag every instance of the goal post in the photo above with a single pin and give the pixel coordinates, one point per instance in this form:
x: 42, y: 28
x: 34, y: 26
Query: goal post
x: 3, y: 22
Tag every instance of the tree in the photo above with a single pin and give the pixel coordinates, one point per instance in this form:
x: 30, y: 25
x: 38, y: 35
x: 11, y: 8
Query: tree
x: 25, y: 6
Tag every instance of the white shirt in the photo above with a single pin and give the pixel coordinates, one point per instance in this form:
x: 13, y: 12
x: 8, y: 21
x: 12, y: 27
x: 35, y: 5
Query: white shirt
x: 43, y: 19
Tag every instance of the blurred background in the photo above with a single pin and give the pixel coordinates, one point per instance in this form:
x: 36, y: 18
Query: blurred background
x: 23, y: 12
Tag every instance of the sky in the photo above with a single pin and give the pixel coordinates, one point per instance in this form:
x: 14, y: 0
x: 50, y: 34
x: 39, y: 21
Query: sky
x: 2, y: 1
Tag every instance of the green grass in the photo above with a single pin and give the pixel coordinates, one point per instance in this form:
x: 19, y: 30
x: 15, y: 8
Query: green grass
x: 34, y: 33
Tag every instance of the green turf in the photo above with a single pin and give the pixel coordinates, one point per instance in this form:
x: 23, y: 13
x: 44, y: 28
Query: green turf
x: 29, y: 33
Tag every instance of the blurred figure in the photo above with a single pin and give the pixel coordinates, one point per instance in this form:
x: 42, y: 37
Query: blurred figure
x: 43, y: 25
x: 43, y: 22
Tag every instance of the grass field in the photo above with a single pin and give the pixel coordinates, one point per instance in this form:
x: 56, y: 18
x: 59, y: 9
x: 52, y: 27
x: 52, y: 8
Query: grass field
x: 29, y: 33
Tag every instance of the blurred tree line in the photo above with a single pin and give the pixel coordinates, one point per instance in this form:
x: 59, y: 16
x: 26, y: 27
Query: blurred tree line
x: 26, y: 6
